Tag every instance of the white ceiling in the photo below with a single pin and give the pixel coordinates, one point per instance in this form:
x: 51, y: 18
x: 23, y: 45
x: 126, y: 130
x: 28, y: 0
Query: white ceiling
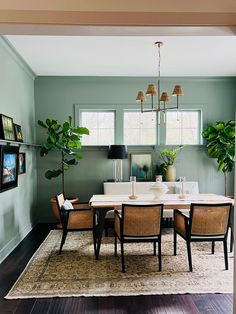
x: 127, y: 55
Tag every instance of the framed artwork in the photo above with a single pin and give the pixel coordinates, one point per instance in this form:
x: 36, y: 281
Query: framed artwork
x: 141, y: 166
x: 6, y: 128
x: 18, y: 133
x: 22, y: 164
x: 8, y: 167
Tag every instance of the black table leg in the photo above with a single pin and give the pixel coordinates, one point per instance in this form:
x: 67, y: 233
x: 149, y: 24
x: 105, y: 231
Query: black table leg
x: 232, y: 229
x: 101, y: 214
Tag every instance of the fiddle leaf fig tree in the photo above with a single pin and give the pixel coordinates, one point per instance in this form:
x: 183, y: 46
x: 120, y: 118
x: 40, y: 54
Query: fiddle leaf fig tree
x: 221, y: 145
x: 65, y: 139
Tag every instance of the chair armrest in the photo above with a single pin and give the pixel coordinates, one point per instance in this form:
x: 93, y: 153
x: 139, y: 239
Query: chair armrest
x: 118, y: 214
x: 181, y: 222
x: 82, y: 206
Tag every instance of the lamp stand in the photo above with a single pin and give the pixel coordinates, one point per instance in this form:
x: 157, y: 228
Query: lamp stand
x: 117, y: 170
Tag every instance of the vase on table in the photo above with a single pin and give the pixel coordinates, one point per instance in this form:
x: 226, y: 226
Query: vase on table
x: 133, y: 195
x: 170, y: 173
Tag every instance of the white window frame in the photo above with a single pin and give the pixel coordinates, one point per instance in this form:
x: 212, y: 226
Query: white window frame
x: 119, y: 110
x: 78, y: 109
x: 156, y: 135
x: 199, y: 111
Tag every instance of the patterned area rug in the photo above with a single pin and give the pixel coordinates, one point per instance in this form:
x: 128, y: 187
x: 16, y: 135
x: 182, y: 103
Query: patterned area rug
x: 76, y: 272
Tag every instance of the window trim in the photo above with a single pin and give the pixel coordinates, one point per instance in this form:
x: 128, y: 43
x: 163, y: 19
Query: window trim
x: 185, y: 107
x: 99, y: 110
x: 119, y: 119
x: 142, y: 145
x: 119, y: 124
x: 199, y: 126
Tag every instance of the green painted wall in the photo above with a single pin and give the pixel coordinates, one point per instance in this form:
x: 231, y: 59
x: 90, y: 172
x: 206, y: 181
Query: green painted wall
x: 55, y: 96
x: 17, y: 101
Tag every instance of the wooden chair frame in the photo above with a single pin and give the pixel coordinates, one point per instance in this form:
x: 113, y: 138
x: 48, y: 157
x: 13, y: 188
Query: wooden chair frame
x: 201, y: 238
x: 64, y: 216
x: 156, y: 238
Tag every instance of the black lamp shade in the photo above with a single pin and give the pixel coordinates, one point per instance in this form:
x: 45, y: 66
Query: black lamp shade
x: 117, y: 152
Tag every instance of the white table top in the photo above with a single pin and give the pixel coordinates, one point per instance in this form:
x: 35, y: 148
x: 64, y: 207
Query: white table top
x: 170, y: 201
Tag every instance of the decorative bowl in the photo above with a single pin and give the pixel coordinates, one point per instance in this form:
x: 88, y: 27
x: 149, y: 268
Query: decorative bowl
x: 158, y: 189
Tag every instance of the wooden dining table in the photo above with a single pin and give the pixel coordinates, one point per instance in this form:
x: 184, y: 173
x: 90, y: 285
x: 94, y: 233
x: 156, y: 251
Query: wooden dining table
x: 103, y: 203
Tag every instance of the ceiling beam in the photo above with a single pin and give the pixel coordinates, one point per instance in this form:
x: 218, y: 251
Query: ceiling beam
x: 117, y: 18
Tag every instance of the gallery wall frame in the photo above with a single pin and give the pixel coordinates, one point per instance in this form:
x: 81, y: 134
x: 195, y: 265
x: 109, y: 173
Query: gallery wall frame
x: 22, y: 163
x: 18, y: 132
x: 141, y: 166
x: 6, y: 128
x: 9, y: 163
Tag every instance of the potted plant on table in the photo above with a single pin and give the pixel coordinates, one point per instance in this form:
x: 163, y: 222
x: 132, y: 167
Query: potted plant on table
x: 66, y: 140
x: 221, y: 145
x: 169, y: 157
x: 160, y: 170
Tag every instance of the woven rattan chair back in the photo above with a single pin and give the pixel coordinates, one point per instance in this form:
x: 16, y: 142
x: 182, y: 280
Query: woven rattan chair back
x: 141, y: 220
x: 209, y: 219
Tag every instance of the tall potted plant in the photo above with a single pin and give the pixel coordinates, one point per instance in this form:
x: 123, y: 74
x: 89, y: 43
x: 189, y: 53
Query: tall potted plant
x: 66, y: 139
x: 169, y: 157
x: 221, y: 145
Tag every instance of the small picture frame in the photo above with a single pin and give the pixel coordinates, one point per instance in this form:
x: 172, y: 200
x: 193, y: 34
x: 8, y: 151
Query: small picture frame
x: 9, y: 161
x: 141, y: 166
x: 6, y: 128
x: 22, y: 164
x: 18, y: 133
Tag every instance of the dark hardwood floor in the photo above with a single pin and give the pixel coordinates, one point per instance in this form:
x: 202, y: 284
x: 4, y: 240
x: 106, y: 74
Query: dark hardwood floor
x: 11, y: 268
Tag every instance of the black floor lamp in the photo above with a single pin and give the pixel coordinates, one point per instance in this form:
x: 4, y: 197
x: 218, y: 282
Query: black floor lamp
x: 117, y: 153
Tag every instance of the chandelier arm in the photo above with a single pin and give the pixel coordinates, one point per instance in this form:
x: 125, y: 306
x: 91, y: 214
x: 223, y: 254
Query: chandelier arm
x: 155, y: 90
x: 159, y: 76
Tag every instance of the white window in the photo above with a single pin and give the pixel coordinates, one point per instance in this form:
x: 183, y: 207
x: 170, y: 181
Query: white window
x: 101, y: 125
x: 183, y: 127
x: 139, y: 128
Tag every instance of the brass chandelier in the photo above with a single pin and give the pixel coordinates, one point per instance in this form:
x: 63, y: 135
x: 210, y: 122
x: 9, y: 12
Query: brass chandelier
x: 153, y: 90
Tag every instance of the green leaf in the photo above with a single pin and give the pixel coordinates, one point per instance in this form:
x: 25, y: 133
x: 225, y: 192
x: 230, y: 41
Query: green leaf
x: 42, y: 124
x: 220, y: 126
x: 74, y: 137
x: 81, y: 131
x: 43, y: 151
x: 76, y: 145
x: 221, y: 166
x: 49, y: 174
x: 70, y: 119
x: 77, y: 155
x: 71, y: 161
x: 48, y: 122
x: 53, y: 138
x: 221, y: 144
x: 66, y: 126
x: 229, y: 131
x: 48, y: 146
x: 63, y: 138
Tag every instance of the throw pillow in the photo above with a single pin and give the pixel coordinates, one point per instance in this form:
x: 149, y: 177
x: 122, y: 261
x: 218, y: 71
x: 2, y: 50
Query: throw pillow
x: 67, y: 205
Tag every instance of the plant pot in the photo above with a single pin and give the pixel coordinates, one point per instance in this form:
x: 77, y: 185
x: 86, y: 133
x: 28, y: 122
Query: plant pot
x: 54, y: 206
x: 170, y: 173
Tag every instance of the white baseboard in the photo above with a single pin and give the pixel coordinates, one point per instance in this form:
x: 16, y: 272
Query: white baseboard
x: 12, y: 244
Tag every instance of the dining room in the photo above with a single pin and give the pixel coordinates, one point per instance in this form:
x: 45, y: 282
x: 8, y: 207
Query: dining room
x: 101, y: 118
